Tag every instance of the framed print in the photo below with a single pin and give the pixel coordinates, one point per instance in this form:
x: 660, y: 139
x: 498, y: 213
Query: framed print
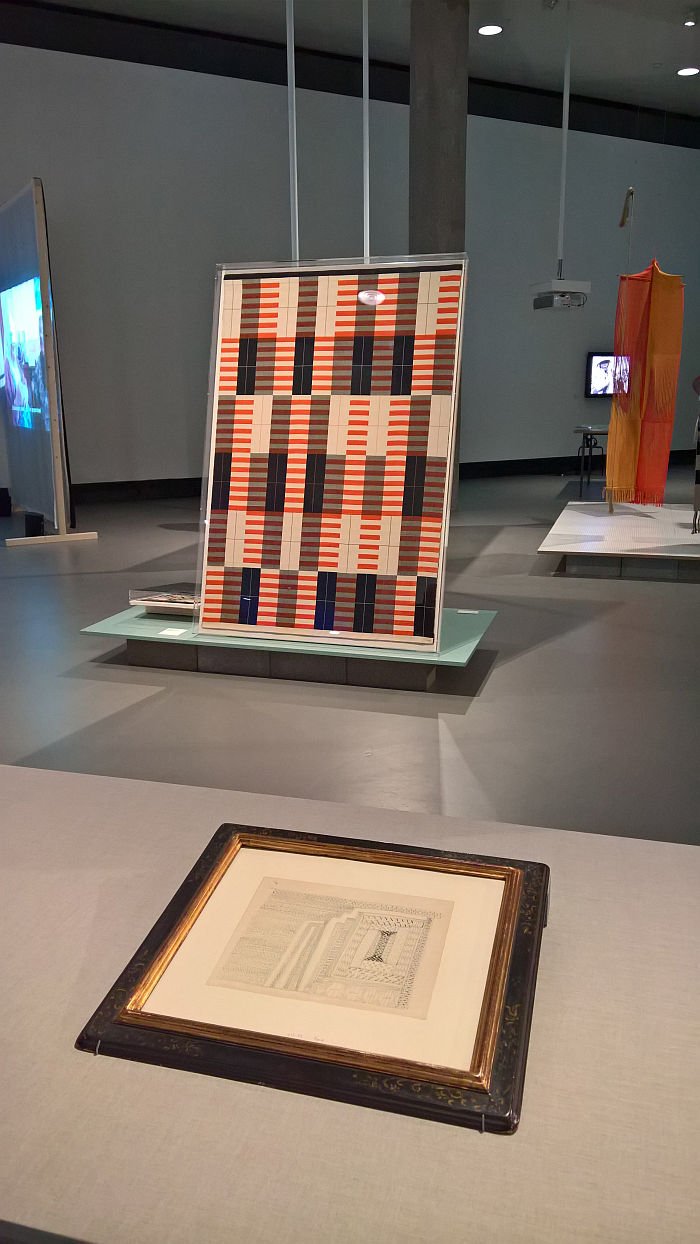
x: 331, y: 441
x: 383, y: 975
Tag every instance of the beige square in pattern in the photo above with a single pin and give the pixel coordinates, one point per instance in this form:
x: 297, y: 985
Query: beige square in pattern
x: 438, y: 439
x: 235, y: 537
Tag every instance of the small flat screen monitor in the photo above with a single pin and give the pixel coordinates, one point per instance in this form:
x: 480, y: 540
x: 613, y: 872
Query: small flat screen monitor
x: 34, y: 455
x: 601, y: 371
x: 22, y: 359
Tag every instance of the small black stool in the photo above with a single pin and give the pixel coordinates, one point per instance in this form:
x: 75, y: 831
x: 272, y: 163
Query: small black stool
x: 589, y: 445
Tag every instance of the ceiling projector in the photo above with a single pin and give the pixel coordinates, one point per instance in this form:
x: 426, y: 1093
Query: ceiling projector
x: 559, y: 295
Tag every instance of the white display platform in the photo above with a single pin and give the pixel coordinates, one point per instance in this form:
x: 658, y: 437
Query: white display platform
x: 586, y: 530
x: 112, y: 1152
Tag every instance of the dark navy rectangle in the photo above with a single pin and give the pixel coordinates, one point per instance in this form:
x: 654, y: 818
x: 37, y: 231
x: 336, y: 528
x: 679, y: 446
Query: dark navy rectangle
x: 303, y: 365
x: 250, y: 595
x: 247, y: 359
x: 413, y: 486
x: 365, y: 593
x: 276, y: 483
x: 402, y: 364
x: 325, y: 600
x: 426, y: 596
x: 361, y: 371
x: 221, y: 481
x: 314, y: 482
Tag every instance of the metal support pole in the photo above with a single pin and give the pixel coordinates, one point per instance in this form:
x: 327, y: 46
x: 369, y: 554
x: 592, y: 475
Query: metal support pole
x: 631, y: 226
x: 365, y: 128
x: 564, y: 146
x: 292, y: 118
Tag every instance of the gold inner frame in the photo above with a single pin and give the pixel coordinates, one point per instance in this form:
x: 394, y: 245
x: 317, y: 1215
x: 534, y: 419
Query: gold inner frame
x: 476, y: 1076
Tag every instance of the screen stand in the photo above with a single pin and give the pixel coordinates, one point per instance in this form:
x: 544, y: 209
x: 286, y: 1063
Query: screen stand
x: 60, y: 538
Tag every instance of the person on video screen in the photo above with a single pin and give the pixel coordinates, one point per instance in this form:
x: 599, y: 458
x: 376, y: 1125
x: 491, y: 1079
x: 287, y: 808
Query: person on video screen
x: 602, y: 378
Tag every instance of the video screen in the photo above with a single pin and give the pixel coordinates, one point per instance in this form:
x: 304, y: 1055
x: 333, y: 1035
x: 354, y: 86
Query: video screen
x: 606, y: 374
x: 32, y: 438
x: 22, y: 361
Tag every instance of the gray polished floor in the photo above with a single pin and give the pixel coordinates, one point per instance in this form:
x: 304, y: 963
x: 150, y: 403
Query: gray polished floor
x: 580, y: 712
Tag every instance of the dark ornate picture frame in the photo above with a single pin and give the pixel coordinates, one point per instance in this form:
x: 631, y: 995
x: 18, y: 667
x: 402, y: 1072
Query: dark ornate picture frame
x: 487, y: 1095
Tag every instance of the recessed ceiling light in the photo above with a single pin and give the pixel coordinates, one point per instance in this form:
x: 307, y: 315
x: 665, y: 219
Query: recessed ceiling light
x: 690, y: 72
x: 490, y: 30
x: 690, y: 19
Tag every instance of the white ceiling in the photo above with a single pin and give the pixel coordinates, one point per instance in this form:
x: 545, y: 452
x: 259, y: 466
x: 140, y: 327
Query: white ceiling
x: 626, y: 50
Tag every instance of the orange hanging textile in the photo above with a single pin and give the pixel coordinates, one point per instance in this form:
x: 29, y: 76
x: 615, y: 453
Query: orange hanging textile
x: 648, y: 333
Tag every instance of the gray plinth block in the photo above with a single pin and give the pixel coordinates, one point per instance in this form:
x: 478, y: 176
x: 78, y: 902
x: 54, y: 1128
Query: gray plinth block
x: 307, y: 667
x: 185, y: 648
x: 162, y: 656
x: 243, y: 661
x: 390, y: 674
x: 597, y: 567
x: 689, y: 571
x: 665, y: 568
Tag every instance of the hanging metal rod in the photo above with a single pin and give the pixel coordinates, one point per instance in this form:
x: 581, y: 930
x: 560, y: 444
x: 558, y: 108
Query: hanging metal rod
x: 365, y: 128
x: 292, y: 119
x: 564, y: 144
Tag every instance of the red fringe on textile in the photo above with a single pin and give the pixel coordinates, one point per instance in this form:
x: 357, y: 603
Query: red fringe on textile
x: 633, y: 496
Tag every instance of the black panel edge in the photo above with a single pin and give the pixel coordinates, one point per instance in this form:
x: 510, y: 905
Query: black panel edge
x: 30, y: 23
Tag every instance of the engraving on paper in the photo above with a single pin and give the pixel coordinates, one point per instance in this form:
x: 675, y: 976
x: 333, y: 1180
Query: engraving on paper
x: 346, y: 946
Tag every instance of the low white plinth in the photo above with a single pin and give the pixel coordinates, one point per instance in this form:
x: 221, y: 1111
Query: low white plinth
x: 587, y: 528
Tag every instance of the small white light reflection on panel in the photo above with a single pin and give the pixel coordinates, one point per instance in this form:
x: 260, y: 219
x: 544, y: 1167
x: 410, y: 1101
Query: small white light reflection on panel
x: 371, y: 297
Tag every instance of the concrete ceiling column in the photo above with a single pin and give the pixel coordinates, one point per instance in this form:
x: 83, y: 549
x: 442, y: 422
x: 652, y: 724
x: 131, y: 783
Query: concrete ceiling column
x: 438, y: 125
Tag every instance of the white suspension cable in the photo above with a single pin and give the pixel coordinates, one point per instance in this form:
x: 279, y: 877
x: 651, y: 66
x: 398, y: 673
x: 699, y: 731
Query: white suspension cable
x: 365, y: 128
x: 564, y: 143
x: 292, y: 119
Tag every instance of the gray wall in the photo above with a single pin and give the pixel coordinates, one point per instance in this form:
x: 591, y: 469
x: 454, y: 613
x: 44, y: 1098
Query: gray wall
x: 153, y: 176
x: 524, y: 370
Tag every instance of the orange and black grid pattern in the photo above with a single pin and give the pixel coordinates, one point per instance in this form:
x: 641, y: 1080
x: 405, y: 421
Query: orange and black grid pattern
x: 332, y: 426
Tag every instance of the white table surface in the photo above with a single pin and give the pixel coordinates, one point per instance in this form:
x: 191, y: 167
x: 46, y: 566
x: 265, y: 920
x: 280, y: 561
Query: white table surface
x: 107, y: 1151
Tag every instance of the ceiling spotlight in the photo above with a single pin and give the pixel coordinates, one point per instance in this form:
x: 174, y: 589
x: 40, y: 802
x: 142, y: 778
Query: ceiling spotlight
x: 690, y: 19
x: 490, y: 30
x: 690, y: 72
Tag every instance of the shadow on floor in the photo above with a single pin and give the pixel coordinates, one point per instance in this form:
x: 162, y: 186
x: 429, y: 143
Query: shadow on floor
x: 14, y: 1233
x: 466, y: 683
x: 470, y: 681
x: 181, y: 561
x: 117, y: 656
x: 467, y: 543
x: 591, y: 492
x: 524, y: 624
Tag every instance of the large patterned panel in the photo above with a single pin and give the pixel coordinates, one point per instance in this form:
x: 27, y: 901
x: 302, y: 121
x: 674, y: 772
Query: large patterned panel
x: 332, y: 435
